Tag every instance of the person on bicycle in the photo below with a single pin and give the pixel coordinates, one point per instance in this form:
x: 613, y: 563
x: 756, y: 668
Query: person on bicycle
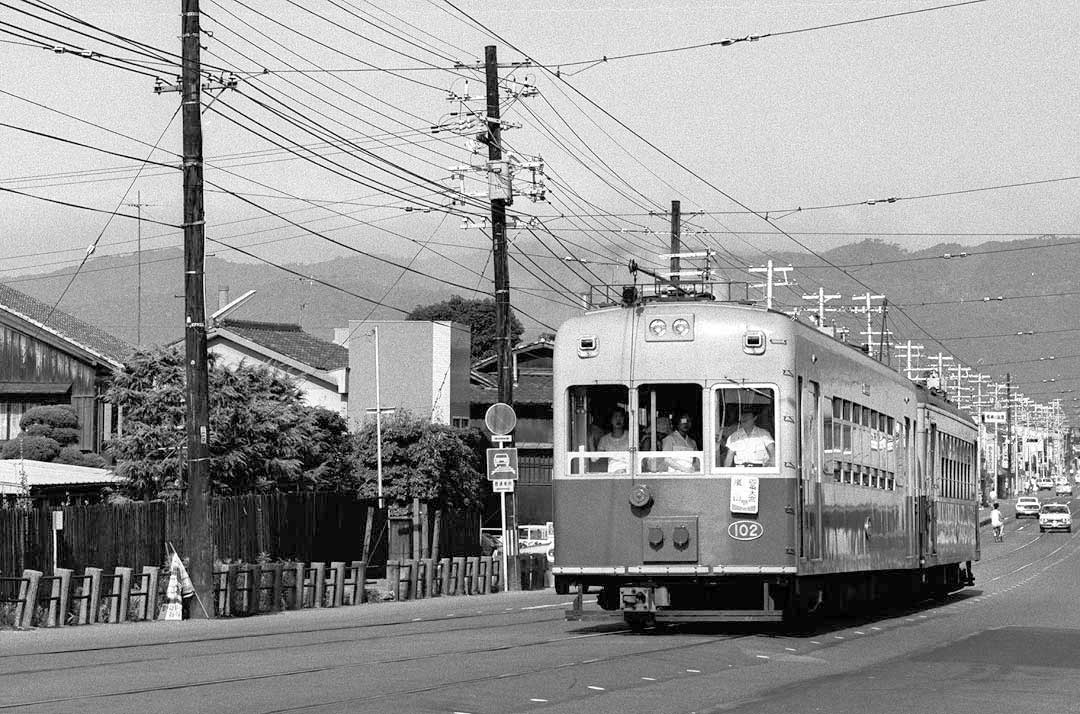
x: 996, y: 522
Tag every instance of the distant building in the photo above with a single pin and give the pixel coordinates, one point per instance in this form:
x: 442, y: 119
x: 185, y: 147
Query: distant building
x: 423, y: 368
x: 533, y: 437
x: 319, y: 367
x: 50, y: 357
x: 54, y: 484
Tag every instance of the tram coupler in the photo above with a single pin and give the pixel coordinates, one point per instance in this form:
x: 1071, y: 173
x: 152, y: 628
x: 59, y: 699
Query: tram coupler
x: 644, y: 598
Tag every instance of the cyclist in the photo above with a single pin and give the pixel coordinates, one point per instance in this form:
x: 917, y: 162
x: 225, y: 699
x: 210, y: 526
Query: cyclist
x: 997, y: 523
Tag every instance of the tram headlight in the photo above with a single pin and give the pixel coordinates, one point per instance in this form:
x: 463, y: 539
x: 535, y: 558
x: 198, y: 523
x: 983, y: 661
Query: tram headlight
x: 658, y: 327
x: 640, y: 496
x: 680, y: 326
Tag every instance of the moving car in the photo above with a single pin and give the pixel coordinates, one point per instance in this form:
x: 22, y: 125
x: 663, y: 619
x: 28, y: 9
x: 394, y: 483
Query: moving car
x: 1027, y: 507
x: 1063, y: 488
x: 1044, y: 482
x: 1055, y: 516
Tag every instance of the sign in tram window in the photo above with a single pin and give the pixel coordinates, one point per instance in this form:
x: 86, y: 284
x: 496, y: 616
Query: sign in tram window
x: 599, y: 429
x: 669, y: 417
x: 745, y: 427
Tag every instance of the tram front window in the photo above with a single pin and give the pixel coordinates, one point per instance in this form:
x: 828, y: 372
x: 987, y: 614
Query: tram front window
x: 599, y: 438
x: 745, y: 427
x: 669, y: 421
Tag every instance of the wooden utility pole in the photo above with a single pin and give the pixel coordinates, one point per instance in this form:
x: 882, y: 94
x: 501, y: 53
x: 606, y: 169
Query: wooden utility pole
x: 498, y: 183
x: 501, y: 194
x: 198, y: 543
x: 676, y: 240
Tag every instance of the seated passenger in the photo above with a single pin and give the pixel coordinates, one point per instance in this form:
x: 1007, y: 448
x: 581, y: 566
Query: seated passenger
x: 680, y: 440
x: 749, y: 445
x: 616, y: 440
x: 663, y: 428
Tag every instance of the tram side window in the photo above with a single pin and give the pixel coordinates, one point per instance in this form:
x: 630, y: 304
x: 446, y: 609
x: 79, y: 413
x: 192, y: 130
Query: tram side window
x: 745, y: 426
x: 670, y: 420
x: 599, y: 429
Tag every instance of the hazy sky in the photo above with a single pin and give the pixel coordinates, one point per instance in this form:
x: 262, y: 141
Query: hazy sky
x: 835, y: 106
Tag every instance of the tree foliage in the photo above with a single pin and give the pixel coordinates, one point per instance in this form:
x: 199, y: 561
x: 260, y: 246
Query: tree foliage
x: 479, y: 315
x: 436, y: 463
x: 262, y: 436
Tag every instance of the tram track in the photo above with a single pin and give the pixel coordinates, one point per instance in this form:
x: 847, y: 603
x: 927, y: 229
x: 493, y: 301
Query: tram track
x: 292, y: 645
x: 341, y: 666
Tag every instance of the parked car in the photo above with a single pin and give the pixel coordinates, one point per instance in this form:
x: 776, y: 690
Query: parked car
x: 1027, y: 507
x: 1055, y: 516
x: 1063, y: 488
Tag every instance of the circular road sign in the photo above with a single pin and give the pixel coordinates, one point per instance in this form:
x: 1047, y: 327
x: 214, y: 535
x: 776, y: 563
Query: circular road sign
x: 500, y: 419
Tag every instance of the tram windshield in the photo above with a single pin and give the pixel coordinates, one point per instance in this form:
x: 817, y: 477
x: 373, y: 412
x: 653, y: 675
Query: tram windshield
x: 599, y: 429
x: 745, y: 427
x: 604, y: 433
x: 669, y: 420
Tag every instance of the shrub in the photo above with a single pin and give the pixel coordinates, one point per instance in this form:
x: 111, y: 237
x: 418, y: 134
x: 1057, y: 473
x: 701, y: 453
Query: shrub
x: 72, y: 455
x: 35, y: 448
x: 55, y: 415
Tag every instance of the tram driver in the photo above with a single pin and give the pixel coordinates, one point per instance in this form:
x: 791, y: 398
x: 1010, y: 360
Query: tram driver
x: 749, y: 445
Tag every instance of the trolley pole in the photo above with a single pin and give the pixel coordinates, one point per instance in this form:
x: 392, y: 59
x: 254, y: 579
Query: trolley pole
x: 198, y: 397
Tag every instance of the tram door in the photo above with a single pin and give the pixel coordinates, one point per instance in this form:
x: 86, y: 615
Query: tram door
x: 927, y: 498
x: 810, y: 469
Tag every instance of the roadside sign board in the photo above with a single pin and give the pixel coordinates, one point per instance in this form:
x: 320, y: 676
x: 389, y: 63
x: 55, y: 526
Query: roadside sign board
x: 993, y: 417
x: 502, y: 463
x: 502, y: 485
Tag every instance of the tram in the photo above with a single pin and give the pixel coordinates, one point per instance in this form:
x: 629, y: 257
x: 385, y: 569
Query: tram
x: 862, y: 486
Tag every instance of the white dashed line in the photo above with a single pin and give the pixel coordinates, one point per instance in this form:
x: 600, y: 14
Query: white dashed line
x: 814, y: 642
x: 542, y: 701
x: 598, y: 689
x: 876, y: 628
x: 859, y: 632
x: 649, y: 679
x: 694, y: 671
x: 791, y: 649
x: 762, y: 656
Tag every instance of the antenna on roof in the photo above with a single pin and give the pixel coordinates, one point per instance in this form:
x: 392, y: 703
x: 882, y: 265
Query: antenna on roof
x: 222, y: 312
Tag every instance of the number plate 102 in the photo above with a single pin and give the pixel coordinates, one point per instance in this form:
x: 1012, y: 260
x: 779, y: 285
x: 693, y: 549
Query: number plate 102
x: 745, y: 530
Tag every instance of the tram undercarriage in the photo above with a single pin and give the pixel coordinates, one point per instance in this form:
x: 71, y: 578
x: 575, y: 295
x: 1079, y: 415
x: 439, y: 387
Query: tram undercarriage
x: 787, y: 599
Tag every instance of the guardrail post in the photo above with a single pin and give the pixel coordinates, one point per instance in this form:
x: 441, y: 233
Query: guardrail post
x: 444, y: 576
x: 24, y: 611
x: 232, y: 575
x: 93, y: 595
x: 275, y: 587
x: 457, y: 575
x: 415, y: 579
x: 150, y: 596
x: 121, y: 595
x: 318, y: 574
x: 360, y: 579
x: 393, y: 574
x: 338, y: 568
x: 61, y: 589
x: 298, y: 585
x: 255, y: 592
x: 407, y: 568
x: 485, y: 574
x: 472, y: 569
x: 496, y: 577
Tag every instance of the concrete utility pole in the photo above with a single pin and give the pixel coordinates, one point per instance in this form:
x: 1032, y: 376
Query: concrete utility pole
x: 1000, y: 482
x: 500, y: 195
x: 910, y: 351
x: 822, y: 298
x: 869, y: 310
x: 198, y: 542
x: 138, y: 206
x: 770, y: 283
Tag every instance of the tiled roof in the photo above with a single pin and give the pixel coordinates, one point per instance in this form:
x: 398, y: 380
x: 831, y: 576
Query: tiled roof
x: 291, y: 341
x: 541, y: 345
x: 530, y: 389
x: 66, y: 326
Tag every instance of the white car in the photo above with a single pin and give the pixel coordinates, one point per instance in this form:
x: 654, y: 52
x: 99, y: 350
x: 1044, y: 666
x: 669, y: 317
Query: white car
x: 1055, y: 516
x: 1063, y: 488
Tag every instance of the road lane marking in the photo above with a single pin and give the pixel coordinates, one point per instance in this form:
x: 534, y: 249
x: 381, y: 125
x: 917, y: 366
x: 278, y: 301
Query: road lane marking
x: 594, y: 687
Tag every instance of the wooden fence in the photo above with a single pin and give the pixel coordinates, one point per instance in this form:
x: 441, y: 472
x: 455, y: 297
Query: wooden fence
x: 306, y: 527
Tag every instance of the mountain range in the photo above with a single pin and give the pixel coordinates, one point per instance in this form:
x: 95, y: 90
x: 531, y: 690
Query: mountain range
x: 968, y: 301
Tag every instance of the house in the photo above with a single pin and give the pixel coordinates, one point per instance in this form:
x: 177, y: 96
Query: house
x: 533, y: 437
x: 53, y: 484
x: 50, y: 357
x: 319, y: 367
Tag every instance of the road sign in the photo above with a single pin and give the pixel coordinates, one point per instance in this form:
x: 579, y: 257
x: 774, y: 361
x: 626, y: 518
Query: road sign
x: 502, y: 463
x: 500, y: 419
x: 502, y: 485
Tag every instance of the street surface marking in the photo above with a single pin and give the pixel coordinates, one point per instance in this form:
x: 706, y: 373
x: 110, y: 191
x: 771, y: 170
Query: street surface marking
x: 694, y: 671
x: 762, y: 656
x: 599, y: 689
x: 544, y: 701
x: 649, y: 679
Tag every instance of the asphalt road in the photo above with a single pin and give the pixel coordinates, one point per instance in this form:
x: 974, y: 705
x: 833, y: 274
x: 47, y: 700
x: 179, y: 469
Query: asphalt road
x: 1010, y: 643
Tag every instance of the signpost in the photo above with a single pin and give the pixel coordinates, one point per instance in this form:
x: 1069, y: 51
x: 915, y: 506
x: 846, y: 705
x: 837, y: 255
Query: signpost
x: 502, y: 471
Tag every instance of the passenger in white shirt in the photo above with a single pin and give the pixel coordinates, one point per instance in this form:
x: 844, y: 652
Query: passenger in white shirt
x: 616, y: 440
x: 749, y: 445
